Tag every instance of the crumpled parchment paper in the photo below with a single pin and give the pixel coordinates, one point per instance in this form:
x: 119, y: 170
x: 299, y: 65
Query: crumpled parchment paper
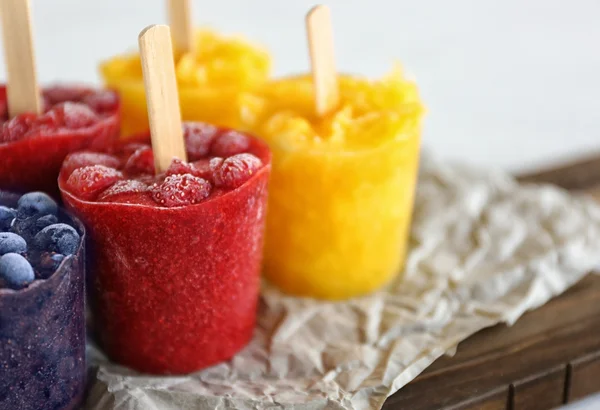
x: 484, y: 250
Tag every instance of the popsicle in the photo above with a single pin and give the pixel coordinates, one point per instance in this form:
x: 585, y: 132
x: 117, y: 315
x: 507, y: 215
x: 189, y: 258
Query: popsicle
x: 210, y: 78
x: 177, y: 244
x: 345, y: 158
x: 38, y: 130
x: 33, y: 147
x: 42, y: 324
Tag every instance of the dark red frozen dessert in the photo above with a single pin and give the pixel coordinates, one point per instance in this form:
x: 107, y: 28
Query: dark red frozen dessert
x: 42, y: 322
x: 33, y: 147
x: 175, y: 257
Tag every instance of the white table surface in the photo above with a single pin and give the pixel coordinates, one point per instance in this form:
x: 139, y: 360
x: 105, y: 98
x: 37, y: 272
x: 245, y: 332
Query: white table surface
x: 511, y: 84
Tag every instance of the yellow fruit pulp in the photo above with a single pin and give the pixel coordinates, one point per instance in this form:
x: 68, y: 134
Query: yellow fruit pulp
x: 342, y: 187
x: 209, y: 81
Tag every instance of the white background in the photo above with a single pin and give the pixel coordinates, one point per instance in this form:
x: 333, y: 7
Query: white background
x: 508, y: 83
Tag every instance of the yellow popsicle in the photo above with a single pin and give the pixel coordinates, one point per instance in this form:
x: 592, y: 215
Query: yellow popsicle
x: 342, y: 187
x: 209, y: 81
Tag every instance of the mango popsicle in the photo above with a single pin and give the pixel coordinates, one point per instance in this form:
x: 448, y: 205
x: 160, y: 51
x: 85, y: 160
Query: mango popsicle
x: 209, y: 80
x: 342, y: 186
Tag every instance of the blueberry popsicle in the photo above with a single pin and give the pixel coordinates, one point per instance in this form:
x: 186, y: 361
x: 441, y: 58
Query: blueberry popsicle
x: 343, y: 181
x: 42, y: 325
x: 177, y: 244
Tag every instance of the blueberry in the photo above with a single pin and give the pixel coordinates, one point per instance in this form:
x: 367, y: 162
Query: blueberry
x: 45, y: 221
x: 12, y: 243
x: 49, y: 263
x: 6, y: 217
x: 60, y: 238
x: 25, y: 227
x: 36, y: 204
x: 15, y: 271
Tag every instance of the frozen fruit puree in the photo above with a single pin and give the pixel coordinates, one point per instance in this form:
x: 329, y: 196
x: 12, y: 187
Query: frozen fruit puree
x: 42, y: 324
x: 209, y: 80
x: 33, y: 147
x: 342, y: 186
x: 176, y: 256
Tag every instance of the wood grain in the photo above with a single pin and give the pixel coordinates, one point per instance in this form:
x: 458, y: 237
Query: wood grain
x: 551, y: 356
x: 585, y: 376
x: 180, y: 21
x: 320, y: 44
x: 166, y: 132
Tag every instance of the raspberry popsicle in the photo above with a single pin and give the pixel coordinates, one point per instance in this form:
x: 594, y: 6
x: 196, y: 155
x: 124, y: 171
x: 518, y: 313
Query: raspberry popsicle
x: 42, y: 324
x: 38, y: 129
x: 210, y: 79
x: 177, y: 245
x: 33, y: 147
x: 343, y: 181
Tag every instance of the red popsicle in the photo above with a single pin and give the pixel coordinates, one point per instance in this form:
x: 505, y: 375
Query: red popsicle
x: 176, y: 257
x: 177, y: 245
x: 33, y: 147
x: 38, y: 130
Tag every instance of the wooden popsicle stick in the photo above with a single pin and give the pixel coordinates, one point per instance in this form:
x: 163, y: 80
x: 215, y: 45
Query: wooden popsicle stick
x: 320, y: 44
x: 22, y: 87
x: 180, y: 21
x: 158, y: 68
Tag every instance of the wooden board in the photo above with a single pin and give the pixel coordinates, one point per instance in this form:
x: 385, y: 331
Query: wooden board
x: 550, y: 357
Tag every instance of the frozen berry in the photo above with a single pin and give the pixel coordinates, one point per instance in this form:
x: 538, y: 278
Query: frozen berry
x: 15, y: 272
x: 48, y: 264
x: 36, y: 204
x: 25, y: 227
x: 7, y: 215
x: 205, y: 168
x: 75, y: 115
x: 229, y: 143
x: 102, y: 100
x: 198, y: 139
x: 83, y: 159
x: 121, y: 189
x: 215, y: 163
x: 88, y: 182
x: 179, y: 167
x: 180, y: 190
x: 12, y: 243
x: 59, y: 94
x: 45, y: 221
x: 236, y: 170
x: 141, y: 162
x: 60, y: 238
x: 16, y: 128
x: 130, y: 148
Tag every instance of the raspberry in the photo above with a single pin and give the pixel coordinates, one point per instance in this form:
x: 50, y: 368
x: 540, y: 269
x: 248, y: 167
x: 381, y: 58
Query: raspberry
x: 229, y: 143
x: 198, y: 138
x: 17, y: 127
x: 122, y: 189
x: 83, y: 159
x: 205, y: 168
x: 141, y: 161
x: 236, y: 170
x: 179, y: 167
x: 89, y: 181
x: 71, y: 115
x: 180, y: 190
x: 59, y: 94
x: 101, y: 101
x: 130, y: 148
